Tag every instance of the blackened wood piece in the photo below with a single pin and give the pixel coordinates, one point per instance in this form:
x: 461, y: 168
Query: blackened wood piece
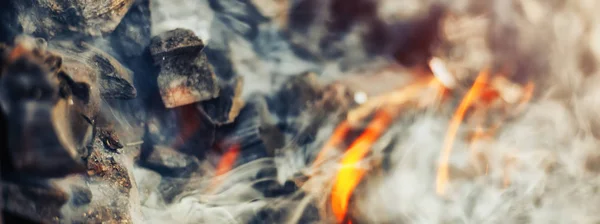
x: 82, y: 61
x: 175, y: 42
x: 133, y: 34
x: 50, y: 18
x: 225, y: 108
x: 185, y: 76
x: 170, y: 162
x: 254, y: 131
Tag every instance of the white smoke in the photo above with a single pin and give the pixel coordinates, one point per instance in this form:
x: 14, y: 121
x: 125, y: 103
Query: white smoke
x: 548, y: 153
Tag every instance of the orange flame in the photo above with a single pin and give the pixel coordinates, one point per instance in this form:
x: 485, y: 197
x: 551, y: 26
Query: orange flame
x: 349, y: 175
x: 225, y: 165
x: 227, y: 161
x: 474, y: 92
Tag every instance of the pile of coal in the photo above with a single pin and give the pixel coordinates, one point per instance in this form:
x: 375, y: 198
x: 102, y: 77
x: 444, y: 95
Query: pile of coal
x: 86, y: 94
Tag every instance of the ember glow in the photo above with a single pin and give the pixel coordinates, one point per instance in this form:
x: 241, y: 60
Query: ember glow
x: 350, y: 174
x: 225, y: 165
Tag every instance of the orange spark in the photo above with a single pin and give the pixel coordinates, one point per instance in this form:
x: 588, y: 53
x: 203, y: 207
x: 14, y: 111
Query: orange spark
x: 474, y: 92
x: 349, y: 175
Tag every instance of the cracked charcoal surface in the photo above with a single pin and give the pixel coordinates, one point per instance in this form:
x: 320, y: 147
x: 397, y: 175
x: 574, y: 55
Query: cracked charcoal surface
x: 81, y: 60
x: 185, y: 74
x: 133, y: 34
x: 226, y: 107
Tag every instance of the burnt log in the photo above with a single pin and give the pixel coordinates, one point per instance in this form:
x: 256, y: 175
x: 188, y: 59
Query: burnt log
x: 185, y: 75
x: 51, y: 18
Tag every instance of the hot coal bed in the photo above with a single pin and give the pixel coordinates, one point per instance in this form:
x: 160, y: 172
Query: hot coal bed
x: 299, y: 111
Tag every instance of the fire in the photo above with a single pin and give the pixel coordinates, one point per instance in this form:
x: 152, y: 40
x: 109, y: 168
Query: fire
x: 472, y: 95
x: 485, y: 94
x: 225, y: 165
x: 349, y: 175
x: 422, y: 93
x: 227, y: 161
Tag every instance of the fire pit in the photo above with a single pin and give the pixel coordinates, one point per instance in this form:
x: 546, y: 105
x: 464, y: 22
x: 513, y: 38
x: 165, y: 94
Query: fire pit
x: 280, y: 111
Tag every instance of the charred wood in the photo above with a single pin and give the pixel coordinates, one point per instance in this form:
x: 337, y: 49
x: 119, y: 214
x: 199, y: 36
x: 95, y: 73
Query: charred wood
x: 85, y: 63
x: 185, y: 75
x: 170, y: 162
x: 50, y: 18
x: 132, y: 35
x: 226, y: 107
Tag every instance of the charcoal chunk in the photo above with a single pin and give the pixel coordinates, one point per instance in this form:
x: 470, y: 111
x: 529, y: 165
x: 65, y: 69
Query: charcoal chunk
x: 107, y: 173
x: 185, y: 76
x: 50, y: 18
x: 132, y: 35
x: 225, y: 108
x: 254, y: 131
x: 170, y: 162
x: 83, y: 61
x: 175, y: 42
x: 41, y: 203
x: 184, y: 129
x: 299, y: 90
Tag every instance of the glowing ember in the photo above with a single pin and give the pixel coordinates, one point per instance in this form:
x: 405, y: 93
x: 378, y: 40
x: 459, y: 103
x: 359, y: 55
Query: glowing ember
x: 225, y: 164
x: 227, y: 161
x: 475, y: 92
x: 349, y: 175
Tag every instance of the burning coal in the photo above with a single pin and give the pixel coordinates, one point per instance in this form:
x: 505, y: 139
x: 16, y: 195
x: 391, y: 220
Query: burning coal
x: 280, y: 111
